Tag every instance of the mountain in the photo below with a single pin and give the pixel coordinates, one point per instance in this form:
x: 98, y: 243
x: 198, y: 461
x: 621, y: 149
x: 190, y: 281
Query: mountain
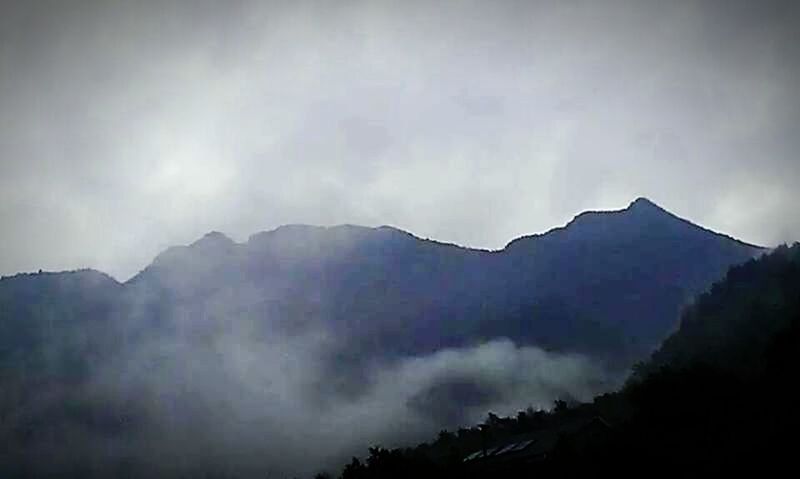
x: 610, y: 284
x: 623, y: 276
x: 216, y: 346
x: 717, y: 397
x: 732, y: 326
x: 51, y: 323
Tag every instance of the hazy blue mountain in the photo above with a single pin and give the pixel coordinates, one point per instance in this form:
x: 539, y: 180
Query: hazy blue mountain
x: 619, y: 276
x: 135, y: 378
x: 55, y: 323
x: 608, y: 283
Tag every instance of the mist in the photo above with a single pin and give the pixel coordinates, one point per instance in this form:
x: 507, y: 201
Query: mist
x: 245, y: 404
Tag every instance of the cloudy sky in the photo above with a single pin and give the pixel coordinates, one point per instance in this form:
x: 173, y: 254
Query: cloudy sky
x: 126, y: 127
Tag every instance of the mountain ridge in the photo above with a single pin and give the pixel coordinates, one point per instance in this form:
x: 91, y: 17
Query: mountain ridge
x: 608, y: 282
x: 637, y: 206
x: 352, y: 301
x: 217, y: 238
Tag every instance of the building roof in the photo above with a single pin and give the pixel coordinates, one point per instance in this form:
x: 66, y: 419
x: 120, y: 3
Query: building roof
x: 539, y: 443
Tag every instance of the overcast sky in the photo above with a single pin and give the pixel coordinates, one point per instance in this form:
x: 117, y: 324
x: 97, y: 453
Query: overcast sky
x: 126, y: 126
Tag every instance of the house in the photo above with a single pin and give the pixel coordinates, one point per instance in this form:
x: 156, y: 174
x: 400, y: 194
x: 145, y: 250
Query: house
x: 536, y: 446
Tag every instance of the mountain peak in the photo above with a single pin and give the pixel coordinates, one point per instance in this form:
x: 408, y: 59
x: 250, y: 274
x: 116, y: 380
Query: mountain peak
x: 641, y: 203
x: 640, y: 209
x: 615, y: 225
x: 213, y: 238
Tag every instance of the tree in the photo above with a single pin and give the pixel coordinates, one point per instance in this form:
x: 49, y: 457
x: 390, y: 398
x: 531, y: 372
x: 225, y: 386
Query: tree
x: 354, y: 470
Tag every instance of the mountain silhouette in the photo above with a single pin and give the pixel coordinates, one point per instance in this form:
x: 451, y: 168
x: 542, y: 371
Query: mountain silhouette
x: 609, y: 283
x: 82, y: 355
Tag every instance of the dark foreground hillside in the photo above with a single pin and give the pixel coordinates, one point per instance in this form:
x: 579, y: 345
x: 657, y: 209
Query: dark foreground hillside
x: 719, y: 396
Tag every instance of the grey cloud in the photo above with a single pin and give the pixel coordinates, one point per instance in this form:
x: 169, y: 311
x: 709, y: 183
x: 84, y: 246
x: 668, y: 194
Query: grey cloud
x: 248, y: 398
x: 257, y: 405
x: 127, y: 127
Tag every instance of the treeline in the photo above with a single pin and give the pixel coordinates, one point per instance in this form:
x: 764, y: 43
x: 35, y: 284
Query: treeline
x: 719, y: 396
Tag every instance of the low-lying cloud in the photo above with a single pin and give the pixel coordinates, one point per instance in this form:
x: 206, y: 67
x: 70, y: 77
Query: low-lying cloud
x: 239, y: 404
